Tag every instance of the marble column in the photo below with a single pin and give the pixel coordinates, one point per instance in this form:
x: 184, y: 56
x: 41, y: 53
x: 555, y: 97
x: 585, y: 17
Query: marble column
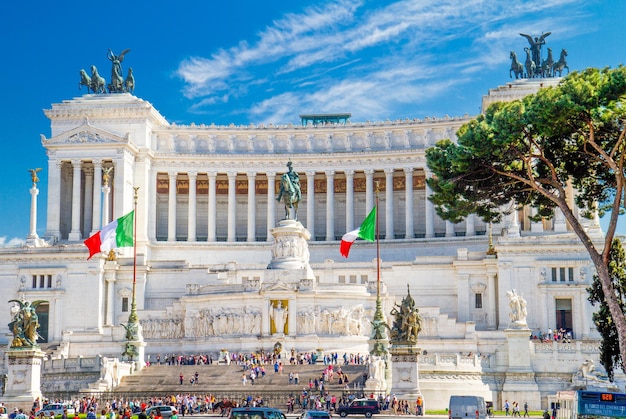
x: 97, y: 197
x: 369, y: 190
x: 192, y: 207
x: 106, y: 202
x: 389, y: 222
x: 470, y: 225
x: 449, y: 229
x: 33, y: 212
x: 212, y: 222
x: 535, y: 226
x: 330, y: 205
x: 75, y: 234
x: 232, y: 207
x: 429, y: 211
x: 271, y: 203
x: 53, y: 219
x: 491, y: 292
x: 349, y: 199
x: 109, y: 278
x: 171, y: 208
x: 88, y: 196
x: 560, y: 225
x: 251, y: 236
x: 409, y: 229
x: 310, y: 202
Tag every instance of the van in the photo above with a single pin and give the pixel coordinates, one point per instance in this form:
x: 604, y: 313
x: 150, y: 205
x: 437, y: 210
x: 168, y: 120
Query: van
x: 366, y: 407
x: 256, y: 413
x: 467, y: 407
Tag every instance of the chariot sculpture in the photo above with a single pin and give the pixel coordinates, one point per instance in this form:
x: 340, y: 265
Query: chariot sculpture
x: 533, y: 65
x: 97, y: 84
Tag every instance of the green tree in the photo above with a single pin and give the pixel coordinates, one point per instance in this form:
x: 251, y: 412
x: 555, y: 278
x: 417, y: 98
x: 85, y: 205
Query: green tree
x: 609, y: 348
x: 530, y: 151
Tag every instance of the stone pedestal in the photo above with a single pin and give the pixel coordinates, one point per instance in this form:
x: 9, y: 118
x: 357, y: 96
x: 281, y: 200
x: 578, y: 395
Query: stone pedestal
x: 23, y: 377
x: 519, y: 383
x: 290, y: 254
x: 405, y: 372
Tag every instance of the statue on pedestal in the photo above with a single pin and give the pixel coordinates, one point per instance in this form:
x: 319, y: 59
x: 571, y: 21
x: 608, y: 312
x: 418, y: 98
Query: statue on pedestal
x: 407, y: 323
x: 25, y: 323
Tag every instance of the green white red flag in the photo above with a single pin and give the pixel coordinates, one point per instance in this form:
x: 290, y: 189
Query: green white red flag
x: 118, y: 233
x: 367, y: 231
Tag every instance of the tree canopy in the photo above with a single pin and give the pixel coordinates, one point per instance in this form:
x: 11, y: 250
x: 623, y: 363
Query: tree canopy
x: 536, y: 150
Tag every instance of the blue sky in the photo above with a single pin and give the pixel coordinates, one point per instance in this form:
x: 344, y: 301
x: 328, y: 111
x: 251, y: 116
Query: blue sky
x: 258, y: 62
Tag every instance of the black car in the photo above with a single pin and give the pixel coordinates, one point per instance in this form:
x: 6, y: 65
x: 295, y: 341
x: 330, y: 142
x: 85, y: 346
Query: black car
x: 366, y: 407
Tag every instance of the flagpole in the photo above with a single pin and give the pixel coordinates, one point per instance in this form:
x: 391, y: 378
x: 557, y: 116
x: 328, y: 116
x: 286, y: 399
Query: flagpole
x: 379, y: 326
x: 132, y: 318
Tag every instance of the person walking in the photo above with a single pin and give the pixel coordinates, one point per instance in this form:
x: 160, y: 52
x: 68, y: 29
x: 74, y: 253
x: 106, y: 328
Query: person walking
x: 526, y: 415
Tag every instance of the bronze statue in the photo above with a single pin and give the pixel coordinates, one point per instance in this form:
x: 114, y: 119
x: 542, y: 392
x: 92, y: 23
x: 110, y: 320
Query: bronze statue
x: 546, y: 65
x: 560, y: 65
x: 117, y: 81
x: 33, y: 174
x: 106, y: 177
x: 25, y: 323
x: 529, y: 64
x: 535, y: 45
x: 97, y: 81
x: 85, y: 80
x: 290, y: 192
x: 130, y: 81
x: 516, y: 67
x: 407, y: 322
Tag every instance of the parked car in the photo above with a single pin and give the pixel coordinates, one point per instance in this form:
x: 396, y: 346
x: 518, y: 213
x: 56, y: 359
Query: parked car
x: 315, y: 414
x: 166, y: 411
x: 57, y: 409
x: 256, y: 413
x: 366, y: 407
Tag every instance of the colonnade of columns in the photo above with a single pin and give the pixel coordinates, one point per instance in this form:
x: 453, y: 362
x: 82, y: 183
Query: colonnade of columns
x: 89, y: 206
x: 313, y: 202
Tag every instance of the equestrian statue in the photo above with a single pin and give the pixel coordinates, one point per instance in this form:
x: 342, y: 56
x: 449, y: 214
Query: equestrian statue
x: 290, y: 193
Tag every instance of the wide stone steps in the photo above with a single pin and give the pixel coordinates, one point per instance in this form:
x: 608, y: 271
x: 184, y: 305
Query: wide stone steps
x: 213, y: 378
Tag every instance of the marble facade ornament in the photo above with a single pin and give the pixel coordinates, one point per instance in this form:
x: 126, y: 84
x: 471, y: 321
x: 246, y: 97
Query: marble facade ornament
x: 518, y: 313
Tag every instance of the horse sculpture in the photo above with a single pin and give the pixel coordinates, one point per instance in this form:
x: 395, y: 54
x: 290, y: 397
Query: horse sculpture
x: 130, y: 81
x: 97, y: 81
x: 516, y: 66
x: 561, y: 64
x: 529, y: 64
x: 289, y: 195
x: 85, y: 80
x: 546, y: 65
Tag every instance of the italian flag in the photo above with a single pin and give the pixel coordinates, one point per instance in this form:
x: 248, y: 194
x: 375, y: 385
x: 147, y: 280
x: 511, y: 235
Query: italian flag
x: 367, y: 231
x: 119, y: 233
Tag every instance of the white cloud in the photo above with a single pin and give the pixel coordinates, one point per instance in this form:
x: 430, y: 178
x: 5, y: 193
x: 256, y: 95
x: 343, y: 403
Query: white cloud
x: 365, y: 58
x: 14, y: 242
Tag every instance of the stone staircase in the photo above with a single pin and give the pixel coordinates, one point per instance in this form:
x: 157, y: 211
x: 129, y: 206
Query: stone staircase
x: 214, y: 378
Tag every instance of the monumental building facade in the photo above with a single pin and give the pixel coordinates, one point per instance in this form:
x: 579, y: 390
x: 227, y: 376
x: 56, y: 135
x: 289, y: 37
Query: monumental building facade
x: 206, y: 213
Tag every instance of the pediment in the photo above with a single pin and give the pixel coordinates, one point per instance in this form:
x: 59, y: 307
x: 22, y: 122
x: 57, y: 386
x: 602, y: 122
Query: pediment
x: 279, y: 286
x: 85, y: 134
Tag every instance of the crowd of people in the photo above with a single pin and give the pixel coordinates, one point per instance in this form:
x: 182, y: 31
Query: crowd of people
x: 556, y: 335
x: 259, y: 358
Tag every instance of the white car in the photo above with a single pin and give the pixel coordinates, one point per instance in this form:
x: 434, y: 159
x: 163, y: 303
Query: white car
x: 57, y: 409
